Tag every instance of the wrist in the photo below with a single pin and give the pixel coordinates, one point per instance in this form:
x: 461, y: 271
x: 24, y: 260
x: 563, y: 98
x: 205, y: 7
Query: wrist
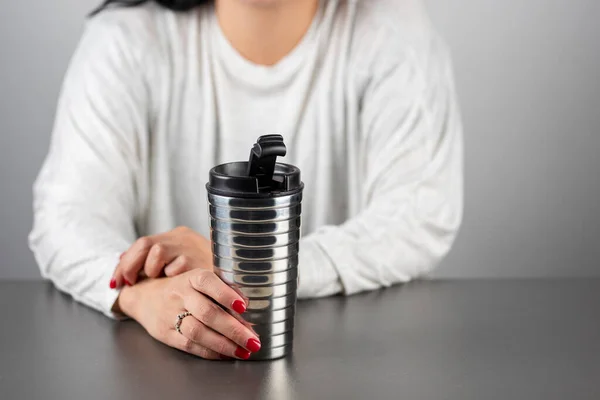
x: 126, y: 302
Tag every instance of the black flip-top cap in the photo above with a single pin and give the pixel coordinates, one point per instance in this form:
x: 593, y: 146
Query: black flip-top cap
x: 261, y: 176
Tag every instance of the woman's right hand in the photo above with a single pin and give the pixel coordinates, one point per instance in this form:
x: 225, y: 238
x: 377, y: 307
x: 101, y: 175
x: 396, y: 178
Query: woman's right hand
x: 210, y: 332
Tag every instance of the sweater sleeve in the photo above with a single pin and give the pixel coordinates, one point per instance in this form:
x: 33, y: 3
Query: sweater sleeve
x: 85, y: 196
x: 411, y: 183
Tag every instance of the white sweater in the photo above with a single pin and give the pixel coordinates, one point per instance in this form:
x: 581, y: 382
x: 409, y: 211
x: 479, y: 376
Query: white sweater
x: 153, y: 99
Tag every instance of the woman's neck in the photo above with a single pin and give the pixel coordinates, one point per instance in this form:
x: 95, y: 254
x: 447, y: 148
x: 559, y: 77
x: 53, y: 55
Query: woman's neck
x: 265, y: 32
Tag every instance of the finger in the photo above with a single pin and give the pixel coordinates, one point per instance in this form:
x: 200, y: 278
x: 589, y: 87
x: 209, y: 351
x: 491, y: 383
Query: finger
x: 206, y: 337
x: 134, y: 259
x: 116, y: 274
x: 179, y: 341
x: 242, y: 321
x: 178, y: 266
x: 208, y: 283
x: 214, y: 317
x: 158, y: 256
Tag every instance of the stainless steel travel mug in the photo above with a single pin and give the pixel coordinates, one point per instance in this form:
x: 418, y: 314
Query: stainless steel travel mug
x: 255, y: 210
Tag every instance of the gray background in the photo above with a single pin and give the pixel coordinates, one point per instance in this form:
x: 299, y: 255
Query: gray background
x: 528, y: 74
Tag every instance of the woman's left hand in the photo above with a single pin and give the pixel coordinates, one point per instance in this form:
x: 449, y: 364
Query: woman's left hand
x: 171, y: 253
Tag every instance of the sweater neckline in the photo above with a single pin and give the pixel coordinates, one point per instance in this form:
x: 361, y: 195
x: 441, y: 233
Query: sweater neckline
x: 263, y: 76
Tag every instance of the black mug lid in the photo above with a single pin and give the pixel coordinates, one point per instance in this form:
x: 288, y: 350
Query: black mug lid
x: 261, y: 176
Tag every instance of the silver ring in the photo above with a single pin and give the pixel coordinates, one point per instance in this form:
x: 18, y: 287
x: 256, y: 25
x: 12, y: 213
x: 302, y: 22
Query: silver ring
x: 180, y: 318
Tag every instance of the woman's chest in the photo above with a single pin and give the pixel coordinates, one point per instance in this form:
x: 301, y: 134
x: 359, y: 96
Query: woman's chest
x: 214, y: 121
x: 218, y: 120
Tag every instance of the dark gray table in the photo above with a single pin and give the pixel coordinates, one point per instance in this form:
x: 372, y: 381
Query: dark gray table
x: 460, y: 340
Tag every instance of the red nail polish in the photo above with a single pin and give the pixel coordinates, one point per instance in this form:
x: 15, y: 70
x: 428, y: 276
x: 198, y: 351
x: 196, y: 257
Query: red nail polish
x: 242, y: 353
x: 253, y: 345
x: 113, y: 283
x: 239, y: 306
x: 127, y: 282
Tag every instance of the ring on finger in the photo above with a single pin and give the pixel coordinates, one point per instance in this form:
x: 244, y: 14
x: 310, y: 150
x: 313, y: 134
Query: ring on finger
x: 180, y: 318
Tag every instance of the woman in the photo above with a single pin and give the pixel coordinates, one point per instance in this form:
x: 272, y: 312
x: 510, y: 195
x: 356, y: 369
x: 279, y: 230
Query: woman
x: 159, y: 92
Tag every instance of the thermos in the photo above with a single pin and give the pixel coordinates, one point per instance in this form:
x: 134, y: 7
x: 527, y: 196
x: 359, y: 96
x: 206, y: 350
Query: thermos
x: 255, y: 209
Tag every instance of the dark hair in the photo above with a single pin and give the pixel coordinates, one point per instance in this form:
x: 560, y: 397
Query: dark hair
x: 176, y: 5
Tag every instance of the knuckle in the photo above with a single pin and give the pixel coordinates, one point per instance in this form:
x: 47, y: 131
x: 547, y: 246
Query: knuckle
x: 144, y: 242
x: 181, y: 229
x: 154, y: 265
x: 184, y: 261
x: 187, y: 345
x: 208, y: 313
x: 195, y: 332
x: 236, y: 333
x: 173, y: 270
x: 175, y: 291
x: 222, y: 347
x: 203, y: 279
x: 158, y: 250
x: 171, y: 294
x: 218, y: 294
x: 205, y: 353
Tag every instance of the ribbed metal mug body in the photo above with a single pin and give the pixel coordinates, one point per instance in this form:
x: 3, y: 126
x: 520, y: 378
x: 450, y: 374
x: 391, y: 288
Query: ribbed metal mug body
x: 255, y: 244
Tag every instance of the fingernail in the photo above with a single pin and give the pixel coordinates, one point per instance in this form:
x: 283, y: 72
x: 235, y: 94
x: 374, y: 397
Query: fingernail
x: 253, y: 345
x: 242, y: 353
x: 238, y: 306
x: 127, y: 282
x: 113, y: 283
x: 121, y: 256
